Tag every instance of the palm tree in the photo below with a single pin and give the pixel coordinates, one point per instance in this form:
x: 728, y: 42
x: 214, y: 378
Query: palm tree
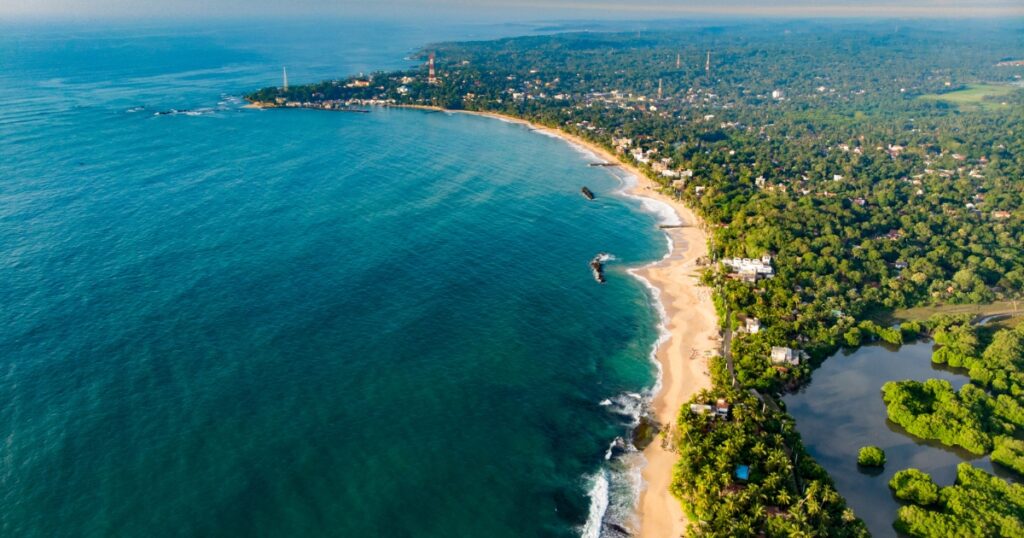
x: 783, y: 497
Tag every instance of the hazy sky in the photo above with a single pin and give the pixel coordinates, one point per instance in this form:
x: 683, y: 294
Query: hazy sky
x: 513, y: 9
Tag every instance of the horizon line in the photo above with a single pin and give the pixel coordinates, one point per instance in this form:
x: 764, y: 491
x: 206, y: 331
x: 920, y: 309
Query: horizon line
x: 335, y: 17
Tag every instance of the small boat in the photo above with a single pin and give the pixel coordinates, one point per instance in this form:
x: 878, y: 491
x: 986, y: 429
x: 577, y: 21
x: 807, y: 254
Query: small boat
x: 597, y: 266
x: 587, y: 193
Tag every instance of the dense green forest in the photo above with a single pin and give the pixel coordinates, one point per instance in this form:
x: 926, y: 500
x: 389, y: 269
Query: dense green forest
x: 979, y: 504
x: 976, y: 416
x: 984, y: 416
x: 824, y: 147
x: 784, y: 493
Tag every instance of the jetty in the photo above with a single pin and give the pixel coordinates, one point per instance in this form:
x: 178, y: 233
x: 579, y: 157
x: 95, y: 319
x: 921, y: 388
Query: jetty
x: 603, y: 164
x: 597, y: 266
x: 587, y: 193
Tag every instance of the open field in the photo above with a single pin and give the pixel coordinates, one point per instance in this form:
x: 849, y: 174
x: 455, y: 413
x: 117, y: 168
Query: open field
x: 922, y: 313
x: 974, y: 96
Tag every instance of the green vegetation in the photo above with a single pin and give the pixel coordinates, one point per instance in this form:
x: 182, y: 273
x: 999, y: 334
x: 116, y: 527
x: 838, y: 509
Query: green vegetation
x: 979, y: 504
x: 974, y: 95
x: 809, y: 144
x: 968, y: 418
x: 871, y: 456
x: 914, y: 486
x: 785, y: 495
x: 868, y: 199
x: 922, y: 313
x: 998, y: 366
x: 974, y: 419
x: 1009, y: 453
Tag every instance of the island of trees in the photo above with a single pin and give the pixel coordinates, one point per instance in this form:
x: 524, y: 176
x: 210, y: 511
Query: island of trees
x: 871, y: 456
x: 831, y: 153
x: 982, y: 417
x: 979, y: 504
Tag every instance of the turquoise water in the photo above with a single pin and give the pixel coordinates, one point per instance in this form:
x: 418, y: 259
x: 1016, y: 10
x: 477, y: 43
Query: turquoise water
x: 232, y: 322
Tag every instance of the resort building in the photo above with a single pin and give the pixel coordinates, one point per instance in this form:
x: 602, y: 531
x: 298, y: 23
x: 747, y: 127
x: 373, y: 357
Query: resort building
x: 785, y: 355
x: 700, y: 409
x: 722, y: 408
x: 752, y: 325
x: 750, y: 269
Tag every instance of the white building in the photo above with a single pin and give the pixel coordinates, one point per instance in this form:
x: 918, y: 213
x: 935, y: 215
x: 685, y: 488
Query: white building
x: 751, y: 268
x: 785, y: 355
x: 700, y: 409
x: 641, y: 156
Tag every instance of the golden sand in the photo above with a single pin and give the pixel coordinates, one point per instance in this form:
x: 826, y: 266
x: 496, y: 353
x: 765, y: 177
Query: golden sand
x: 693, y: 336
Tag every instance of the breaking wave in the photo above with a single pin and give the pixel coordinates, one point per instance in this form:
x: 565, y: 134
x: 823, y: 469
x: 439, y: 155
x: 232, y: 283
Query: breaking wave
x: 598, y: 505
x: 622, y: 472
x: 614, y: 489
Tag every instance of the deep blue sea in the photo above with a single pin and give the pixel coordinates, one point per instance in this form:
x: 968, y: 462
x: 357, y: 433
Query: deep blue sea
x: 232, y: 322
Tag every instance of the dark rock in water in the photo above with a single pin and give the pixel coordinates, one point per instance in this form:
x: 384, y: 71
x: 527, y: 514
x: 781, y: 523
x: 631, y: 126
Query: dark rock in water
x: 617, y: 448
x: 645, y: 432
x: 597, y: 265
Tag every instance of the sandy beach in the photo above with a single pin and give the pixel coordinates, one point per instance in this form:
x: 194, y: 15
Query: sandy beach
x: 693, y: 330
x: 682, y: 356
x: 693, y: 334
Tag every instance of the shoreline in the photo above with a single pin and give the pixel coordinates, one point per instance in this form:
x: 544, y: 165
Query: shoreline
x: 690, y: 324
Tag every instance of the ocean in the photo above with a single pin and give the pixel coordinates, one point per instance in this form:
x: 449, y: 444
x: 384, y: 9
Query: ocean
x: 221, y: 321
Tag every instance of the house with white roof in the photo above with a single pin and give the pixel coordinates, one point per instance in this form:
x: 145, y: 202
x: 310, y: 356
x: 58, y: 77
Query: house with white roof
x: 785, y: 355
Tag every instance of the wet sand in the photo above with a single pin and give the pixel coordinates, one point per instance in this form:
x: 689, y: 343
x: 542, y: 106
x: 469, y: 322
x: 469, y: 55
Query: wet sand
x: 683, y: 357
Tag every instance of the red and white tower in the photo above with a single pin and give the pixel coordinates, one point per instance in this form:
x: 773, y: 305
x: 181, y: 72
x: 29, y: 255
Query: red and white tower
x: 431, y: 73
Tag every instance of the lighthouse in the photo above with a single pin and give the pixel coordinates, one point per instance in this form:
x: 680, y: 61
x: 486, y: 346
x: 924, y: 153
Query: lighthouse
x: 431, y: 73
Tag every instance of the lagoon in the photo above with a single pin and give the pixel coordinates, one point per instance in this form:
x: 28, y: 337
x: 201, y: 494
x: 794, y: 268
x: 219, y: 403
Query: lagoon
x: 842, y: 410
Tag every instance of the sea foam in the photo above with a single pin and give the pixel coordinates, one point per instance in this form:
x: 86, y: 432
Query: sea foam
x: 598, y: 505
x: 615, y: 488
